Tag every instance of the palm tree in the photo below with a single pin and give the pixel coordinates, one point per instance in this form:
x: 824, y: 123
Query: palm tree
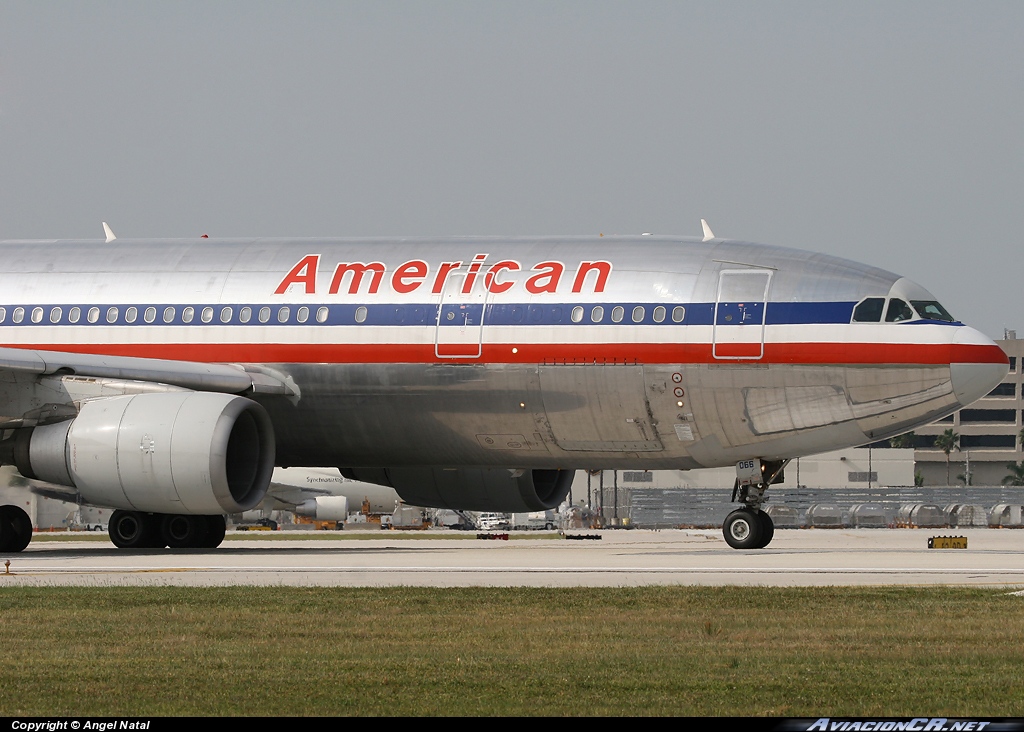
x: 907, y: 439
x: 947, y: 442
x: 1016, y: 476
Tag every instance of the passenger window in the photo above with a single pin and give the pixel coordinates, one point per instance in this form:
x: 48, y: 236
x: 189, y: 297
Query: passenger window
x: 207, y: 315
x: 131, y: 314
x: 898, y: 311
x: 264, y: 315
x: 150, y: 315
x: 597, y: 314
x: 283, y: 313
x: 577, y: 314
x: 678, y: 314
x: 869, y: 310
x: 638, y: 314
x: 111, y: 315
x: 361, y: 314
x: 19, y: 314
x: 225, y: 315
x: 73, y: 314
x: 302, y: 315
x: 245, y: 314
x: 659, y: 314
x: 187, y: 314
x: 55, y: 314
x: 168, y: 314
x: 617, y: 313
x: 37, y: 315
x: 321, y: 315
x: 92, y: 317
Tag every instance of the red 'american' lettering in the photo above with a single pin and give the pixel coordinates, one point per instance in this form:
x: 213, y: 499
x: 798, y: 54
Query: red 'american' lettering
x: 355, y: 277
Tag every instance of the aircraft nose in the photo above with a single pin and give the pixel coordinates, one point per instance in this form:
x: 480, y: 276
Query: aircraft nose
x: 976, y: 366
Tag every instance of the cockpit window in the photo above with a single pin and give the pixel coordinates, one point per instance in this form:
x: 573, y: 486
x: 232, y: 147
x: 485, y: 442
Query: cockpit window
x: 869, y: 310
x: 898, y: 311
x: 931, y: 310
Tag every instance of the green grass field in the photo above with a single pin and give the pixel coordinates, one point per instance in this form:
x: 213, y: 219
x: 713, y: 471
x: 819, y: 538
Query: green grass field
x: 410, y: 651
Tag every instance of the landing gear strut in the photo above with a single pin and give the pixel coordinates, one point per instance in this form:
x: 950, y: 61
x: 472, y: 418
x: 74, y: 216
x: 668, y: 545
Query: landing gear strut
x: 750, y: 527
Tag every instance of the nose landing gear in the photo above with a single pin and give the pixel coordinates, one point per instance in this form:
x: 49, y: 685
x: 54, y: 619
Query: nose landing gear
x: 750, y: 527
x: 746, y: 528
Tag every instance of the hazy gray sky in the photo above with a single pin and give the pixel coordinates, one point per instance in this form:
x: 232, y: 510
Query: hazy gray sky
x: 890, y: 133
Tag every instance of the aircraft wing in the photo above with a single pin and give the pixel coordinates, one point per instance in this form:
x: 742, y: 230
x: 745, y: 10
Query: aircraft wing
x: 228, y: 378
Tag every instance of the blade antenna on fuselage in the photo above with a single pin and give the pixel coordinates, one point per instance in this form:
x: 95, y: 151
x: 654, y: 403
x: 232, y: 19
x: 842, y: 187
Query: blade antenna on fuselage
x: 708, y: 233
x: 108, y: 232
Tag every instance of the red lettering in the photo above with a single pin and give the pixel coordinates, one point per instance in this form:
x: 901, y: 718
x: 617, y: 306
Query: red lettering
x: 411, y: 275
x: 302, y: 273
x: 478, y: 262
x: 550, y: 272
x: 491, y: 278
x: 603, y: 269
x: 442, y: 274
x: 416, y: 270
x: 358, y: 269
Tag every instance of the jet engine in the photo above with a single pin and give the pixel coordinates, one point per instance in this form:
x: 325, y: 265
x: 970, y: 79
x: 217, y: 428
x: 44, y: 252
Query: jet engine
x: 198, y: 453
x: 472, y: 489
x: 324, y: 508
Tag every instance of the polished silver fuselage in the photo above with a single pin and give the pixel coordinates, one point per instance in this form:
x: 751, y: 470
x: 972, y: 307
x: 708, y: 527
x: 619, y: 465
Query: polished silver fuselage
x: 513, y: 352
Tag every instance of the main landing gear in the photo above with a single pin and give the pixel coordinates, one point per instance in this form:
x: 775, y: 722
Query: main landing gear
x: 15, y: 529
x: 750, y: 527
x: 139, y: 530
x: 128, y: 530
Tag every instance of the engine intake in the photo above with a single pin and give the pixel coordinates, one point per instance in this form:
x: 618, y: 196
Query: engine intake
x: 179, y: 453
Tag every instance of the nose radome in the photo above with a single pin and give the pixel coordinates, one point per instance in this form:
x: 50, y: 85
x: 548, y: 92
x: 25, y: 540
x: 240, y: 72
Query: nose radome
x: 982, y: 368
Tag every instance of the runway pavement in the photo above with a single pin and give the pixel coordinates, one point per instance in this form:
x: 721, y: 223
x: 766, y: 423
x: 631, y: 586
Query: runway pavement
x: 994, y: 557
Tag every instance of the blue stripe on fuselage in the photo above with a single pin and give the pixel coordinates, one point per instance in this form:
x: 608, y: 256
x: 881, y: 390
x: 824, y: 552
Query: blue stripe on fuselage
x: 419, y: 314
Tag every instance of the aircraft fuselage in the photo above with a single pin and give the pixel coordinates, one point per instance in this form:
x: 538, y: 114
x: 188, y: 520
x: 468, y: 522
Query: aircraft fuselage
x: 582, y: 352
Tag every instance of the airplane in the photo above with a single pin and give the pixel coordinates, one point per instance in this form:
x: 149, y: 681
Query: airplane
x: 323, y: 494
x: 167, y: 378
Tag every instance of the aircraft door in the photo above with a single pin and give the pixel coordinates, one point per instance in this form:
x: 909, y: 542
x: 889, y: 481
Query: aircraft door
x: 460, y: 316
x: 738, y: 331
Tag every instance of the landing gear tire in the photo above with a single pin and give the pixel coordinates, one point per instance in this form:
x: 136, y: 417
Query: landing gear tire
x: 184, y: 532
x: 767, y: 529
x: 743, y: 529
x: 135, y: 530
x: 215, y: 529
x: 15, y: 529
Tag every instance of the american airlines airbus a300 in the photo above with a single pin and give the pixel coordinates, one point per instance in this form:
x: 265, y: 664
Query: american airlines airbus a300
x: 167, y: 378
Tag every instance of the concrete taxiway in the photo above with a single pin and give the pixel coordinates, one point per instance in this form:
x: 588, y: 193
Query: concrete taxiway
x: 994, y: 557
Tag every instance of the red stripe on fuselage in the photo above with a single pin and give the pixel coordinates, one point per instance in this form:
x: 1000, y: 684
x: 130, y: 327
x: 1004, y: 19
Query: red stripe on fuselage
x: 653, y: 353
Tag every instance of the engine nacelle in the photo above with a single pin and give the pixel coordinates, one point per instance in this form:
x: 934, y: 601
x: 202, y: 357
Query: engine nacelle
x: 472, y: 489
x: 179, y: 453
x: 324, y: 508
